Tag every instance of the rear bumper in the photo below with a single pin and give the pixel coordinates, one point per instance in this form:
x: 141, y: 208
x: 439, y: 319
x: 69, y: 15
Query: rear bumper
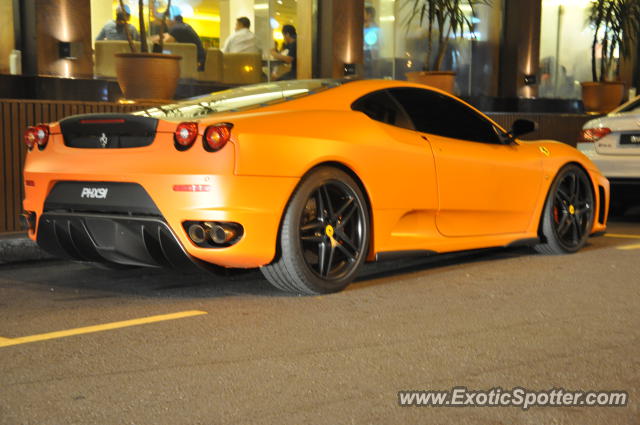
x: 613, y: 166
x: 254, y: 202
x: 137, y: 241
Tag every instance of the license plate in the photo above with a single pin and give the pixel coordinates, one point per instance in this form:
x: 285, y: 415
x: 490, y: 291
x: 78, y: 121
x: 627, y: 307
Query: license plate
x: 630, y: 139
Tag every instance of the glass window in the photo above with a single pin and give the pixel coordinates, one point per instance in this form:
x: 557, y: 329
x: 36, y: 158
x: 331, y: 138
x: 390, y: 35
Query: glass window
x: 442, y: 115
x: 215, y: 23
x: 240, y: 98
x: 393, y: 47
x: 565, y: 48
x: 380, y: 106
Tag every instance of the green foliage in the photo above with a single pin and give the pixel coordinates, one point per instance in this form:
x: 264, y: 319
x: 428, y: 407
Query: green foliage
x: 616, y: 25
x: 443, y: 20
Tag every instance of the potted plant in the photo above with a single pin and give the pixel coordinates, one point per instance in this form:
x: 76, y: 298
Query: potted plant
x: 442, y: 21
x: 616, y: 24
x: 145, y: 75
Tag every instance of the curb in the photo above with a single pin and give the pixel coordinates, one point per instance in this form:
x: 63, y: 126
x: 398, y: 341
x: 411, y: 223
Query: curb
x: 17, y: 247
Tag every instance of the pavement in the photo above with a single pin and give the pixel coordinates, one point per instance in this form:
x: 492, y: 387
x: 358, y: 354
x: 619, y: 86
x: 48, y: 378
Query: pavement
x: 17, y: 247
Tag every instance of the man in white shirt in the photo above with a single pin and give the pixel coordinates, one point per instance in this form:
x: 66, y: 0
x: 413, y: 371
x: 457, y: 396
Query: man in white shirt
x: 242, y: 40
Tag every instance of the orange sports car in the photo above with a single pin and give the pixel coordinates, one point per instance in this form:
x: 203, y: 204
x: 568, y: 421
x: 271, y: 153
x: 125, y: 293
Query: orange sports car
x: 306, y: 180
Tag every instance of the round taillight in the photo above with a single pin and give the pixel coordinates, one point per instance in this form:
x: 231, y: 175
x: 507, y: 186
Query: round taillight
x: 185, y: 134
x: 42, y: 135
x: 30, y: 137
x: 216, y: 136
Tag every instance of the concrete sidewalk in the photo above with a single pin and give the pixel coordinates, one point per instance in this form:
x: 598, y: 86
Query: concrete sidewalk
x: 17, y: 247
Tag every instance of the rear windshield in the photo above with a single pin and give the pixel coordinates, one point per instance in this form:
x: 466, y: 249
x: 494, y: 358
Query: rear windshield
x: 240, y: 99
x: 631, y: 106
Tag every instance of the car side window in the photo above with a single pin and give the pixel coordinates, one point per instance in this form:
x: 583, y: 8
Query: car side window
x: 380, y: 106
x: 435, y: 113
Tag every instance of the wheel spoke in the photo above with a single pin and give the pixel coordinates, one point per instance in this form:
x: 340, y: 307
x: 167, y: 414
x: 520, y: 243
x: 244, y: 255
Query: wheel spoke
x: 564, y: 225
x: 575, y: 188
x: 329, y: 260
x: 342, y: 209
x: 312, y: 238
x: 575, y: 231
x: 321, y: 207
x: 350, y: 255
x: 324, y: 192
x: 562, y: 196
x: 310, y: 227
x: 582, y: 211
x: 342, y: 237
x: 322, y: 254
x: 347, y: 216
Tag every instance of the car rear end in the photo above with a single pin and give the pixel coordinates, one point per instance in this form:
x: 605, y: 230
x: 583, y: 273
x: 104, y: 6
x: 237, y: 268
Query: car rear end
x: 613, y: 144
x: 142, y: 191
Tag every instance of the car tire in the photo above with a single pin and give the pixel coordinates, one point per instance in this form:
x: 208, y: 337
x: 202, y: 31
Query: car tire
x: 324, y: 235
x: 567, y: 218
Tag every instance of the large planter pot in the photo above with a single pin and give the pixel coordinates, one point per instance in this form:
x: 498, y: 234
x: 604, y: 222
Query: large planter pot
x: 602, y: 97
x: 148, y: 76
x: 443, y: 80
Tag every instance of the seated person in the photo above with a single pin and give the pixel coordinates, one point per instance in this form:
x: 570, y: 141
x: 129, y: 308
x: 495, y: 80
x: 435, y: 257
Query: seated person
x: 180, y: 32
x: 115, y: 30
x: 288, y: 54
x: 242, y: 40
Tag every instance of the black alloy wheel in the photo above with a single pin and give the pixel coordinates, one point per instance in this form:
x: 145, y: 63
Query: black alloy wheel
x: 568, y: 215
x: 324, y: 237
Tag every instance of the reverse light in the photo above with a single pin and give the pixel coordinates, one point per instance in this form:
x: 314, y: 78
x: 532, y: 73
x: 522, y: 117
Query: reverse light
x: 216, y: 136
x: 38, y: 135
x: 592, y: 135
x: 185, y: 135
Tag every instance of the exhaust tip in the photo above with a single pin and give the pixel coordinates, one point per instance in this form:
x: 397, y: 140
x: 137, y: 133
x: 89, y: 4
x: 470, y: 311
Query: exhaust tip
x: 197, y: 233
x: 220, y: 234
x: 213, y: 234
x: 28, y: 220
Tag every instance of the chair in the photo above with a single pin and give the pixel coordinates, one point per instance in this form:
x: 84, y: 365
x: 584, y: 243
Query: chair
x: 105, y: 63
x: 189, y: 62
x: 212, y: 66
x: 242, y: 68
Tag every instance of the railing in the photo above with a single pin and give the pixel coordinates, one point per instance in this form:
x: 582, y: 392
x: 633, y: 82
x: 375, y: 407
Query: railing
x: 17, y: 115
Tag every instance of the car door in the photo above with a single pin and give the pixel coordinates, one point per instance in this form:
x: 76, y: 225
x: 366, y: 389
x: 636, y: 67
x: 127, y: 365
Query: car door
x: 485, y: 186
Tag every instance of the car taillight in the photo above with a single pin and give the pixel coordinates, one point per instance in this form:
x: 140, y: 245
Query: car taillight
x: 592, y: 135
x: 216, y: 136
x: 185, y: 135
x: 38, y: 135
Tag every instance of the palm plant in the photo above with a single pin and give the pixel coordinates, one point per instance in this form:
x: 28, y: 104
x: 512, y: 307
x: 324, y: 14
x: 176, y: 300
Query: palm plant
x: 447, y: 18
x: 616, y: 26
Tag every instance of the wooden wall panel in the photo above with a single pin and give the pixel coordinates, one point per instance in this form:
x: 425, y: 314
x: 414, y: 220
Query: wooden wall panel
x: 68, y: 21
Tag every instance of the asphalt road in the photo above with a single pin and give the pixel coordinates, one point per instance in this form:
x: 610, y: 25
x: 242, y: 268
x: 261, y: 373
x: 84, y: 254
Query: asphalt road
x: 503, y: 318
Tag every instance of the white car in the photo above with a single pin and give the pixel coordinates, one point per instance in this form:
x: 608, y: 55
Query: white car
x: 613, y: 143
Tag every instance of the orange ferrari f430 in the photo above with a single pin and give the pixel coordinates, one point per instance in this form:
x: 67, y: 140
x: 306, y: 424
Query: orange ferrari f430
x: 306, y: 180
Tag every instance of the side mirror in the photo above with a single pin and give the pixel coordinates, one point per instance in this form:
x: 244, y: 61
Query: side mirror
x: 521, y: 127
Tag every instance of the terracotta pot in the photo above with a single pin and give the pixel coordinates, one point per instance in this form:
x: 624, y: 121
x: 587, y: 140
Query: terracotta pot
x: 602, y: 97
x: 148, y: 76
x: 443, y: 80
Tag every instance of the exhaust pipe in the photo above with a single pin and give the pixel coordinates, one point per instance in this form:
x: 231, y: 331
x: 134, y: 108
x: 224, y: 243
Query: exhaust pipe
x: 28, y: 220
x: 221, y: 234
x: 197, y: 233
